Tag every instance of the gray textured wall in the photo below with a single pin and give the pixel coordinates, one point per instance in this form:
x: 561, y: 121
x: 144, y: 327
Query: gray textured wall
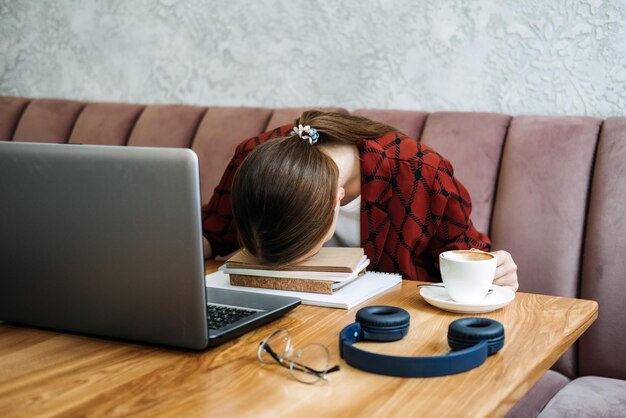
x: 512, y: 56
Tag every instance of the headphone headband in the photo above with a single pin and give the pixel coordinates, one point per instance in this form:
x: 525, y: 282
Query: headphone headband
x: 472, y: 340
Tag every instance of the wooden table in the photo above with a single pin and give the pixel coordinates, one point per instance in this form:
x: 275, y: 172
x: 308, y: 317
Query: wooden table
x: 45, y: 373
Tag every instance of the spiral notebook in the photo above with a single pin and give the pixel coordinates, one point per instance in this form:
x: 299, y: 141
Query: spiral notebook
x: 351, y: 295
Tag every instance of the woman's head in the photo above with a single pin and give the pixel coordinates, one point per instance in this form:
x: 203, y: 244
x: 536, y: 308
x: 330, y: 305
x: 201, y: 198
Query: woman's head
x: 283, y: 199
x: 285, y: 194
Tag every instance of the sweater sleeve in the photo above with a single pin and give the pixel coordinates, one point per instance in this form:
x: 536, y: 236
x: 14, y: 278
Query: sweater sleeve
x: 450, y: 208
x: 218, y: 223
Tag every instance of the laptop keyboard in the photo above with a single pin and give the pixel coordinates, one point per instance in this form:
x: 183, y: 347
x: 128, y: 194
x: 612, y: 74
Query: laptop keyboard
x: 219, y: 316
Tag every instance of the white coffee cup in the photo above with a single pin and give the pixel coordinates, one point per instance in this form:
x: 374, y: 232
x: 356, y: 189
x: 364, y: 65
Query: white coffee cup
x: 467, y: 275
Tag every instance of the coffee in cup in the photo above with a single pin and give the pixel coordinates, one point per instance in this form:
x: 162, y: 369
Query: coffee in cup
x: 467, y: 275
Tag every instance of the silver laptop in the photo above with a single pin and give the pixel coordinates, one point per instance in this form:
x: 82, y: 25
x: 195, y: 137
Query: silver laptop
x: 107, y: 240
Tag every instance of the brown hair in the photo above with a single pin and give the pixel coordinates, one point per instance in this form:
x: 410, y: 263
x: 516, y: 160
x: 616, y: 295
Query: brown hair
x: 284, y: 192
x: 343, y: 127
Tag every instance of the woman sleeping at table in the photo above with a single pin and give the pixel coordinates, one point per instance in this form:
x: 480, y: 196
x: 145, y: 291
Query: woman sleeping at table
x: 337, y: 179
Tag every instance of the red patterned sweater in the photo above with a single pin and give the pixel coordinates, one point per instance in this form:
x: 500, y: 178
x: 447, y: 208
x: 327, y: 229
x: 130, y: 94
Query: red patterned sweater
x: 412, y: 206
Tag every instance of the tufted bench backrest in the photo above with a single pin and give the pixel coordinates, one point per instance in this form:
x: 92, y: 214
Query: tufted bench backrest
x: 550, y: 189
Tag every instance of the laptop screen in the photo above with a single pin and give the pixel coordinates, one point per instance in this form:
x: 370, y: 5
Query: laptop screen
x: 103, y: 239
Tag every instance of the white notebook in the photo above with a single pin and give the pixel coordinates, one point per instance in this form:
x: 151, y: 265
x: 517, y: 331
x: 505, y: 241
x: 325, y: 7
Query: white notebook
x: 362, y: 289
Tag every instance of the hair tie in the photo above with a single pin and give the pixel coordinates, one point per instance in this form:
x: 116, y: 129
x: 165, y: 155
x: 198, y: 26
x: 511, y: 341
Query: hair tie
x: 306, y: 132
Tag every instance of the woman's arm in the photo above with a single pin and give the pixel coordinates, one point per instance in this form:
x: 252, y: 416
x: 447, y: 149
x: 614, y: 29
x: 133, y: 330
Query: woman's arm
x: 452, y: 202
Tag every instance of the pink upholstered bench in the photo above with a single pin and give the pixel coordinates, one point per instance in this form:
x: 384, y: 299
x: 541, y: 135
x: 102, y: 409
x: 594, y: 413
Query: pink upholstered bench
x: 550, y: 189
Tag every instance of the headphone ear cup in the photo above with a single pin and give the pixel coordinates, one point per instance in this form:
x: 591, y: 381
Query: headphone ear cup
x: 467, y: 332
x: 381, y: 322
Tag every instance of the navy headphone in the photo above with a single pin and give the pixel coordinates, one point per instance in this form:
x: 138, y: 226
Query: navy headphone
x: 471, y: 340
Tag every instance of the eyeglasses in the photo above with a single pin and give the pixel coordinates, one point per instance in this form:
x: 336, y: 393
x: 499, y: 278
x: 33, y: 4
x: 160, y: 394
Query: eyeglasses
x: 308, y: 365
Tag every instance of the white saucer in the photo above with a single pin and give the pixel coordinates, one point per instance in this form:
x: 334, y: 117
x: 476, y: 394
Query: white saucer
x: 438, y: 296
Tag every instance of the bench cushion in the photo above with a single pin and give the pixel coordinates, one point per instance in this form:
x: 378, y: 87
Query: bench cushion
x: 539, y: 395
x: 589, y: 396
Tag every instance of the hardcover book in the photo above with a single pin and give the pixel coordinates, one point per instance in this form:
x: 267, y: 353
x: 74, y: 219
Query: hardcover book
x: 326, y: 272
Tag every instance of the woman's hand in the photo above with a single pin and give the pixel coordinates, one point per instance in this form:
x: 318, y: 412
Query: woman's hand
x: 207, y: 248
x: 506, y: 271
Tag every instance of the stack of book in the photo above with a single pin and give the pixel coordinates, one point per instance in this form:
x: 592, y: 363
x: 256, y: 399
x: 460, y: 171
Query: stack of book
x: 327, y: 271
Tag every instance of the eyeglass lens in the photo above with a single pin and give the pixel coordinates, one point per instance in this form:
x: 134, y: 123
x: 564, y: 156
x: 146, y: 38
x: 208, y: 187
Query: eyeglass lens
x: 279, y: 343
x: 307, y: 365
x: 310, y: 363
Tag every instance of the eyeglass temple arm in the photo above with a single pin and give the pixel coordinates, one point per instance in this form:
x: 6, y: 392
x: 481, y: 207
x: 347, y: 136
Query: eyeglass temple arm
x: 272, y: 353
x: 335, y: 368
x: 301, y: 367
